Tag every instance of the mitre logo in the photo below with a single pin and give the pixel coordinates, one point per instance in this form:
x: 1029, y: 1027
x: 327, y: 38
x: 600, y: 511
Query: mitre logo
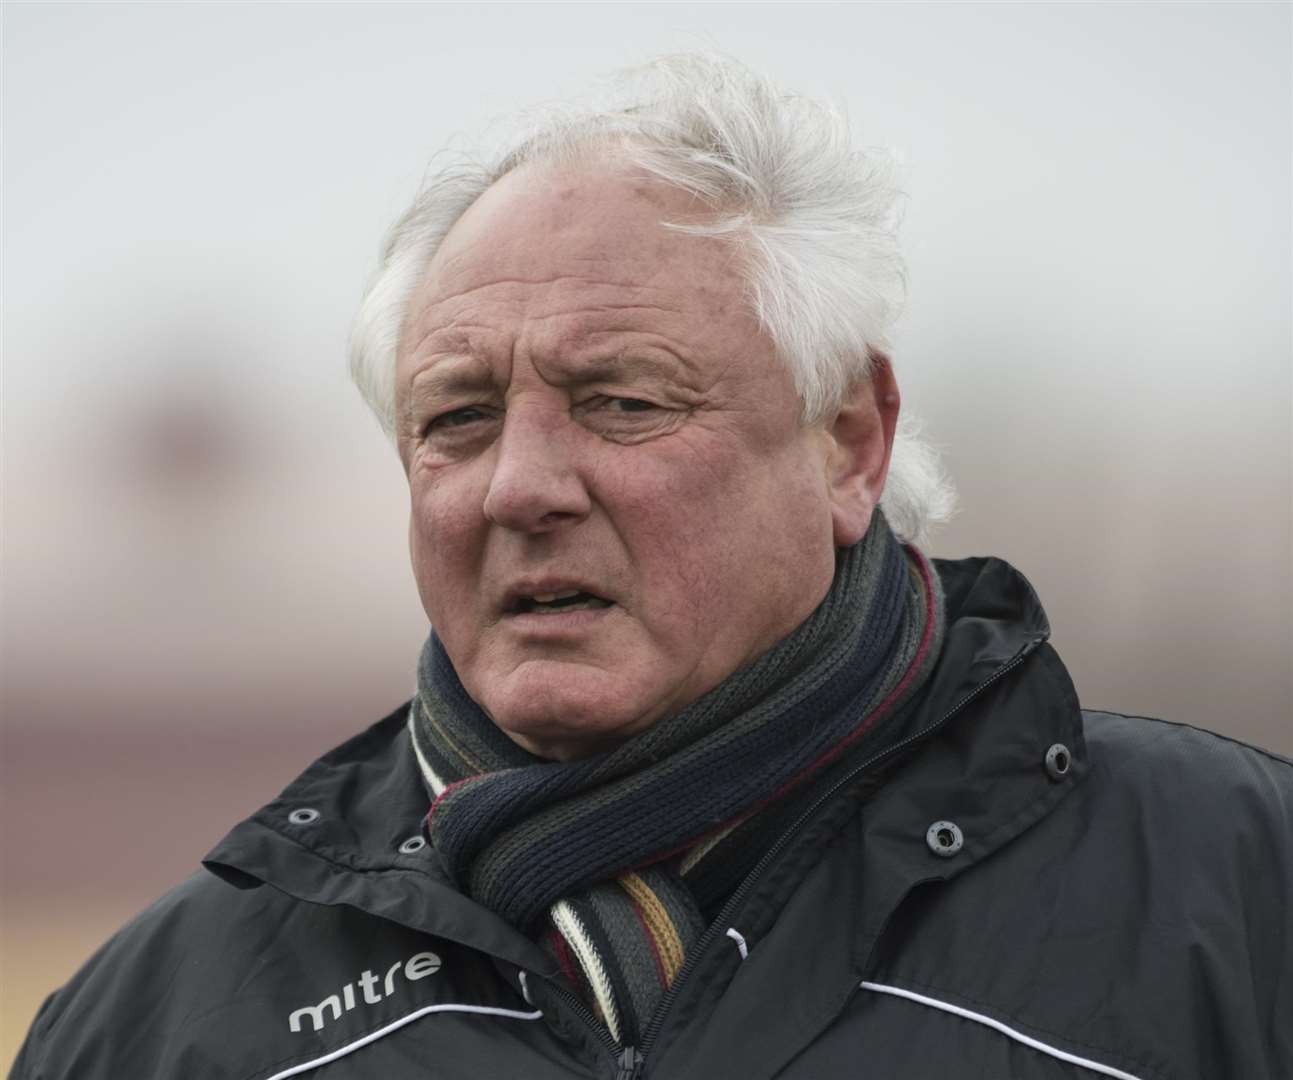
x: 417, y: 966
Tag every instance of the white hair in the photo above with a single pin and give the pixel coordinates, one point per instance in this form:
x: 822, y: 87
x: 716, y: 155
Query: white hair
x: 815, y: 220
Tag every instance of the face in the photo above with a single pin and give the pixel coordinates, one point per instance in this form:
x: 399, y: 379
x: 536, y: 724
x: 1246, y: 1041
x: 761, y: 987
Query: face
x: 614, y: 504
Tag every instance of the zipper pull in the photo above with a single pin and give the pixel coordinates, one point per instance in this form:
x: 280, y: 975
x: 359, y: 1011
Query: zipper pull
x: 630, y: 1062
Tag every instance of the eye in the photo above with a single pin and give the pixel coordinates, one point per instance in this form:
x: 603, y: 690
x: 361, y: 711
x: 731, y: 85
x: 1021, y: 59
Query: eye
x: 627, y: 419
x: 628, y: 405
x: 455, y: 418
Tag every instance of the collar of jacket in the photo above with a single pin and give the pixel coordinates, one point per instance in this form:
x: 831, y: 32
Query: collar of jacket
x: 1000, y: 701
x: 367, y: 798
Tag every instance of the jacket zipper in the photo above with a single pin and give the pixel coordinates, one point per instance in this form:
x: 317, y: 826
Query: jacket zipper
x: 630, y: 1059
x: 630, y: 1063
x: 627, y: 1059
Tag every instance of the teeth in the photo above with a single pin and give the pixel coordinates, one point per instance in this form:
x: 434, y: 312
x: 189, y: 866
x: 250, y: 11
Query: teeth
x: 552, y: 603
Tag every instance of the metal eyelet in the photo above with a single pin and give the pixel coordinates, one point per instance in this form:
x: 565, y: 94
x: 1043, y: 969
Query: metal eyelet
x: 944, y: 838
x: 413, y: 845
x: 1058, y: 761
x: 303, y: 815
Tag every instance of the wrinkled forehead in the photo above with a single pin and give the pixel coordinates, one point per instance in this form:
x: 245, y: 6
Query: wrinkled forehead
x: 584, y: 227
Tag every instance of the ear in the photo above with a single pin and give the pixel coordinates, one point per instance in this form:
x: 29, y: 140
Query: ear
x: 861, y: 440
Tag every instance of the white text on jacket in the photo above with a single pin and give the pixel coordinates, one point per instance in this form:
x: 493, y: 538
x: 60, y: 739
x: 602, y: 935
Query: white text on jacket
x: 417, y: 966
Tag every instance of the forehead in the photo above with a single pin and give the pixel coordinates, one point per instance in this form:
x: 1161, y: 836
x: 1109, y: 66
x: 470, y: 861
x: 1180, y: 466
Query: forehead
x: 582, y: 246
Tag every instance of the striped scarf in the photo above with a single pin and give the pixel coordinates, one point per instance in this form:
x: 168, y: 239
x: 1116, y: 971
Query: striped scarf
x: 613, y: 860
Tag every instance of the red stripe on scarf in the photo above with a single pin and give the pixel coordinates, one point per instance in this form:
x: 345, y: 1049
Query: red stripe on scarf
x: 448, y: 788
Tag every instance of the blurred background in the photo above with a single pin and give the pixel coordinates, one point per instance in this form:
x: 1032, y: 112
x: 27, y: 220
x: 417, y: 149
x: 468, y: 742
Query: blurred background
x: 205, y: 579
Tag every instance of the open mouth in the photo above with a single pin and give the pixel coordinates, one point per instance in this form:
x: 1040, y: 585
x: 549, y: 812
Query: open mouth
x: 557, y: 603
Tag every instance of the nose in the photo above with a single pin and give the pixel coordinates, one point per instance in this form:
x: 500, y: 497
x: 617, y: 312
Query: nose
x: 536, y: 485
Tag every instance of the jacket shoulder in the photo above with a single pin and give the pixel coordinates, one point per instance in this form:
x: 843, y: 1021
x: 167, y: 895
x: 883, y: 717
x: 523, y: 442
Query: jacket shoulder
x: 152, y: 977
x: 1201, y: 806
x: 1188, y: 766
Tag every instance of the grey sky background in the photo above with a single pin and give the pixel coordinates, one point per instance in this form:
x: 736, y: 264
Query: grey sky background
x: 204, y: 555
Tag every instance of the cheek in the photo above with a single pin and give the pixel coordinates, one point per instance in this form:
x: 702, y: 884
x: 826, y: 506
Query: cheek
x: 725, y: 524
x: 679, y: 516
x: 444, y: 526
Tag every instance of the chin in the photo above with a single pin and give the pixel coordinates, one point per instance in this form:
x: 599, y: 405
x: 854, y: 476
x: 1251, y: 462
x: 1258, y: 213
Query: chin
x: 563, y: 718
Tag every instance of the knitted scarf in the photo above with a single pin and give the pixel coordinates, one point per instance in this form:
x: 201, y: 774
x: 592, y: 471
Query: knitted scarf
x: 597, y: 857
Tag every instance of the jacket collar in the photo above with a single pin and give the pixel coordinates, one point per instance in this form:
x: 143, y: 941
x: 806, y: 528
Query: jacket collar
x: 988, y: 777
x: 999, y: 701
x: 370, y: 802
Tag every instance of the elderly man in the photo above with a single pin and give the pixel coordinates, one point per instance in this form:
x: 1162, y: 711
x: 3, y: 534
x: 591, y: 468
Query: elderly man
x: 725, y: 777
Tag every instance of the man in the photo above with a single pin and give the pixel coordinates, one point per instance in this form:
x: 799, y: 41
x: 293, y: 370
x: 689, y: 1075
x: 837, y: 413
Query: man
x: 725, y: 779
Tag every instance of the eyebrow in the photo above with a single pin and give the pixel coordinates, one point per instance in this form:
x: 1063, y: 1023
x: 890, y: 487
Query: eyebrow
x: 628, y: 362
x: 448, y: 377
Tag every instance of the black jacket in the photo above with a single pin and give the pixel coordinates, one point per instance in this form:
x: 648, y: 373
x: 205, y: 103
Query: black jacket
x: 997, y: 909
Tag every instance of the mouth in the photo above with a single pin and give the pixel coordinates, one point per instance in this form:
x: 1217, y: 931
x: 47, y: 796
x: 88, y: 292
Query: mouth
x: 556, y: 603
